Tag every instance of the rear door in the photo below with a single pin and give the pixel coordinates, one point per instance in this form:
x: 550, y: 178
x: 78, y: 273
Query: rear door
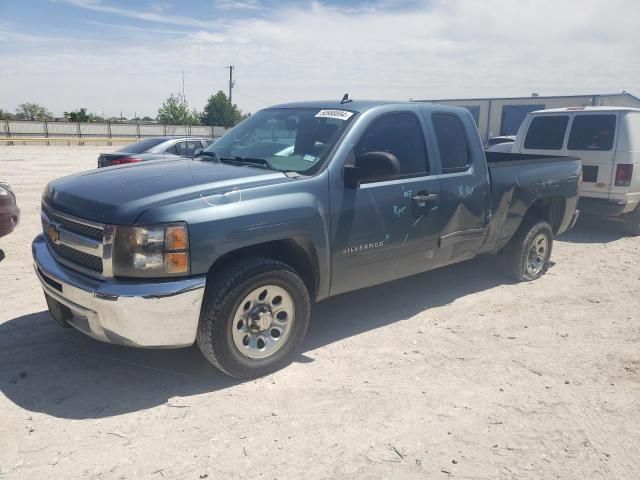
x: 464, y: 187
x: 592, y: 138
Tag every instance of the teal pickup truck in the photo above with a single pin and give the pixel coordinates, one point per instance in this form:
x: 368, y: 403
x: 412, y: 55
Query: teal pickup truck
x: 297, y: 203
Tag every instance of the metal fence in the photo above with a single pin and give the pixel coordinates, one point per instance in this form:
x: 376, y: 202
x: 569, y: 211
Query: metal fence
x: 18, y: 132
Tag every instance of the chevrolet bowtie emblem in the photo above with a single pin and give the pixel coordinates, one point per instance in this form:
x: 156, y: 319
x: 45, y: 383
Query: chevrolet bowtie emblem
x: 53, y: 233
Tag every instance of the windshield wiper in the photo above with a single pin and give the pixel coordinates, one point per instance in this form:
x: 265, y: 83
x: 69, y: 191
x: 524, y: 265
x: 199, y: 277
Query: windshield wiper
x: 250, y: 161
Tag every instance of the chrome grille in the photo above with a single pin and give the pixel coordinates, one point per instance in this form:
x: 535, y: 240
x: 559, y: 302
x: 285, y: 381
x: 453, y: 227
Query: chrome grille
x: 74, y: 226
x: 77, y: 243
x: 83, y: 259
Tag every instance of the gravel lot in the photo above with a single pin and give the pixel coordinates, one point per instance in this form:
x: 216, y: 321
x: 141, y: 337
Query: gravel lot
x: 452, y: 374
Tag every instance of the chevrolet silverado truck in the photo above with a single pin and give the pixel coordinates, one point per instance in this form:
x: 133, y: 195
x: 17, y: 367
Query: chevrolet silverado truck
x: 297, y: 203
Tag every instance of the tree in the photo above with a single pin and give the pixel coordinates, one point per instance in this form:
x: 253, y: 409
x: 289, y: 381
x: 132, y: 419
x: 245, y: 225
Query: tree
x: 220, y: 112
x: 32, y: 111
x: 77, y: 115
x: 196, y: 117
x: 175, y: 111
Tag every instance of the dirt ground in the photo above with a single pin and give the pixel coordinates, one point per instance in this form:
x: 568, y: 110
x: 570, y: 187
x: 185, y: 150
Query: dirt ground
x: 452, y: 374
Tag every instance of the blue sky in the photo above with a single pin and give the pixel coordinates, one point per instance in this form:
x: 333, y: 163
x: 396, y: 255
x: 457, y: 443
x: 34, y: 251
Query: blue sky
x: 112, y: 56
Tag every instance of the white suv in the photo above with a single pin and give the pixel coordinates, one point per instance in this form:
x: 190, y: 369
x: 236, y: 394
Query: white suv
x: 607, y: 140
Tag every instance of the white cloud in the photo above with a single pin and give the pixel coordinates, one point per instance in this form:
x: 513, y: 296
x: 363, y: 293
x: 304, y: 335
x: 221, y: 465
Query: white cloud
x: 238, y: 5
x: 8, y: 36
x: 156, y: 15
x: 461, y: 48
x: 162, y: 31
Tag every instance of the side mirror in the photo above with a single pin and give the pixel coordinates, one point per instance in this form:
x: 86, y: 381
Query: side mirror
x: 372, y: 166
x: 197, y: 152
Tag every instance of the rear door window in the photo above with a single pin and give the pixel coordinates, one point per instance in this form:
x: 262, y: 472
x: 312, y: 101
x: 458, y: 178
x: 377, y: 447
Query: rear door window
x: 592, y: 132
x: 546, y: 132
x: 173, y: 150
x: 452, y: 142
x: 185, y: 149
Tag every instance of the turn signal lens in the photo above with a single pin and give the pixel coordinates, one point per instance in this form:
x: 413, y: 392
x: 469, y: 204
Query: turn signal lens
x: 176, y: 262
x: 175, y: 238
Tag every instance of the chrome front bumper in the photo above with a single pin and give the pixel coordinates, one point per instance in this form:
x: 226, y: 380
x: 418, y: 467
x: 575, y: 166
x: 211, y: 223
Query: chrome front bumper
x: 162, y: 314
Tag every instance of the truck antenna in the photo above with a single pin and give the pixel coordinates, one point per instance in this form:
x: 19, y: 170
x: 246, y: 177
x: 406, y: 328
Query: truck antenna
x: 345, y: 99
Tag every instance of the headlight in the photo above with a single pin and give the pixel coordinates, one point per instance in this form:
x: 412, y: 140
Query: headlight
x: 151, y: 251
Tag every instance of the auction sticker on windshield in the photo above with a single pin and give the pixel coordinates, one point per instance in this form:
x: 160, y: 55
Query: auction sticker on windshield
x: 337, y: 114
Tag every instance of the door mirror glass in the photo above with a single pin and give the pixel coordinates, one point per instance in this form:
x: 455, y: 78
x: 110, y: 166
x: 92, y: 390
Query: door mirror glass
x: 197, y: 152
x: 371, y: 167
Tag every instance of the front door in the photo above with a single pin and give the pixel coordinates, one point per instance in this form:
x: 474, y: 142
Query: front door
x: 387, y: 229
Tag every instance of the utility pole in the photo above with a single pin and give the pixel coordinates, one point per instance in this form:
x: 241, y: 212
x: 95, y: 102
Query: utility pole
x: 231, y: 83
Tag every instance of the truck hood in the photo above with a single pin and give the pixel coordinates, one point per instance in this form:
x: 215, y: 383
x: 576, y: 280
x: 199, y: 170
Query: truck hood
x: 119, y: 195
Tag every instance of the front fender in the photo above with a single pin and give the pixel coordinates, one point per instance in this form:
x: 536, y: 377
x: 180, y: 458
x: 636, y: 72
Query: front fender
x: 223, y: 223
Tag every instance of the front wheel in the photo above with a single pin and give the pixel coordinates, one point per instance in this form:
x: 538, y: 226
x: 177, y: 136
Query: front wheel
x: 254, y: 316
x: 527, y: 254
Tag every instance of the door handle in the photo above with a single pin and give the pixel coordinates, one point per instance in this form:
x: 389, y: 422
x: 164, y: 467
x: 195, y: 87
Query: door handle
x: 423, y: 198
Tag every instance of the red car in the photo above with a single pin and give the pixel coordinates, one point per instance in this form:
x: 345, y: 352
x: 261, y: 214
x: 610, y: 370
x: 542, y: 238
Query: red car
x: 9, y: 212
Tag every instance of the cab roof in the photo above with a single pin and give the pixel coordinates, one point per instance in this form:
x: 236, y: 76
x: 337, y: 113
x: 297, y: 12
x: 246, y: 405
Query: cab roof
x: 353, y: 105
x: 361, y: 106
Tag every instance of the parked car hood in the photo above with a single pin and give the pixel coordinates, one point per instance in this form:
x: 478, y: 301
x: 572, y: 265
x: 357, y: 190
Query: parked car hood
x: 119, y: 195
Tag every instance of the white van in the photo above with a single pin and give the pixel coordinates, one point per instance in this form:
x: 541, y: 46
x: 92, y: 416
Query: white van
x: 607, y: 140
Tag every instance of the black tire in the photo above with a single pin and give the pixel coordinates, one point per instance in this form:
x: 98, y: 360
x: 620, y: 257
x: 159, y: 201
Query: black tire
x: 632, y: 222
x: 222, y: 298
x: 516, y: 253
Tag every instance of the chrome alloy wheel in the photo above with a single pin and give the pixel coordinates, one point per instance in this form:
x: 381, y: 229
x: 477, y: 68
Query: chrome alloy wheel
x: 537, y: 255
x: 263, y: 321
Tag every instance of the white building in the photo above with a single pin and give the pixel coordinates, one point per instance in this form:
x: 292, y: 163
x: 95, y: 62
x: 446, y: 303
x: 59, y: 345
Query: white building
x: 503, y: 116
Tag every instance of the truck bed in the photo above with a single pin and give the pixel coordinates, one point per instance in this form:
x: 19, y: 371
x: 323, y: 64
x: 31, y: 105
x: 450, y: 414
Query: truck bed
x: 518, y: 181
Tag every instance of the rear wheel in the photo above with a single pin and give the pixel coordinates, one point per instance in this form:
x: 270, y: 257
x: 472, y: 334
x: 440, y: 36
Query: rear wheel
x: 255, y: 315
x: 527, y: 255
x: 632, y: 222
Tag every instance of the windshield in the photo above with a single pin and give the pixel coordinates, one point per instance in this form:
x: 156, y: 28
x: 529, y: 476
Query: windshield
x: 142, y: 146
x: 286, y: 139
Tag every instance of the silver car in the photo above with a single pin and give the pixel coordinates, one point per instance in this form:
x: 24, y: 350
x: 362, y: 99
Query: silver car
x: 154, y: 149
